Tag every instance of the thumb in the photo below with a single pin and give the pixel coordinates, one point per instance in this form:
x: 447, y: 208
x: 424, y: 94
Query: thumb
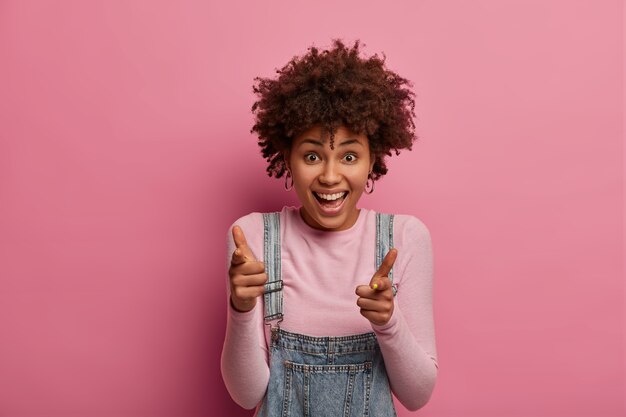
x: 384, y: 269
x: 242, y: 251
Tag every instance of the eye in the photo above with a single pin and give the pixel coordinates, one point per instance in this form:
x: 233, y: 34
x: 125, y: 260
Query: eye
x: 306, y: 157
x: 351, y: 156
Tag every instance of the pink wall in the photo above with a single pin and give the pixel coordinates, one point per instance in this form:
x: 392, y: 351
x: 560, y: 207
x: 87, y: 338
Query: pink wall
x: 125, y: 153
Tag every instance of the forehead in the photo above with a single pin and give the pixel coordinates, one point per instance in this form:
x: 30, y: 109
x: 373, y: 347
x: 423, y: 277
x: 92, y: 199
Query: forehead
x: 341, y: 133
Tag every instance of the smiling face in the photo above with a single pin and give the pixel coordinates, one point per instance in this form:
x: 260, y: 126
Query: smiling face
x: 341, y: 172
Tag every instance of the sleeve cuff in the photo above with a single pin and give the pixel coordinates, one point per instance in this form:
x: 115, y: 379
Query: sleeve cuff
x: 391, y: 325
x: 240, y: 315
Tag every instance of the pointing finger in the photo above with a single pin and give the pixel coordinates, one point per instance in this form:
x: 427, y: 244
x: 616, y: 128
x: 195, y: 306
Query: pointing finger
x: 385, y: 266
x: 243, y: 252
x: 239, y: 237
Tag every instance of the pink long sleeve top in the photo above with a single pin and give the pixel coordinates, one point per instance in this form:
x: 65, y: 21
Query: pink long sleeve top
x: 320, y: 272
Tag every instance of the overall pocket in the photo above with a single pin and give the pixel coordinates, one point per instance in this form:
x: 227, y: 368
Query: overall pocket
x: 326, y: 390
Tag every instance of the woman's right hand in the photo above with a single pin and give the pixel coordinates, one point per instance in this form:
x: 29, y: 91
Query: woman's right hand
x: 247, y: 275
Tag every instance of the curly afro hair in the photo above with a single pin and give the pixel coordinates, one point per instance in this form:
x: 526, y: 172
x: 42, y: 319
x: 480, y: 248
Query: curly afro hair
x: 332, y: 88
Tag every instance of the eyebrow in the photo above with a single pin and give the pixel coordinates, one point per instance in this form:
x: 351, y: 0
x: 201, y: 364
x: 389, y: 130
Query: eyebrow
x: 317, y: 142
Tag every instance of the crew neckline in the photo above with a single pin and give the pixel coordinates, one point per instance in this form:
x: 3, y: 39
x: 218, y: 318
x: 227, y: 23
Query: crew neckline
x: 325, y: 233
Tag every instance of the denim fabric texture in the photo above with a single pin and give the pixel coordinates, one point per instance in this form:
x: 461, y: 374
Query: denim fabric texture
x: 322, y: 376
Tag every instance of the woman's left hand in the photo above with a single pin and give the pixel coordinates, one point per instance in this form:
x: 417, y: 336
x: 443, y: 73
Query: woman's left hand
x: 376, y: 299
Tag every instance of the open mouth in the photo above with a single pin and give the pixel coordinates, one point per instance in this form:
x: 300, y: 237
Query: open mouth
x: 331, y: 206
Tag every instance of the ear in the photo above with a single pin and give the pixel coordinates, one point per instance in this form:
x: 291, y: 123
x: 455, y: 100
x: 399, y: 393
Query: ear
x: 373, y: 158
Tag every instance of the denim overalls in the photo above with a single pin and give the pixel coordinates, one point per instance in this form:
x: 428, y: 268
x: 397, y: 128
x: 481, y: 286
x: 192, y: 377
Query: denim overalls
x: 328, y: 376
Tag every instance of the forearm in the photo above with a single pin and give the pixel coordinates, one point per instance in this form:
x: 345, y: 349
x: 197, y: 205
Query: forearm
x: 244, y: 364
x: 411, y: 371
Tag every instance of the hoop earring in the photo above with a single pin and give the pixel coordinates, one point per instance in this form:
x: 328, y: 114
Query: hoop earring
x: 369, y: 177
x: 286, y: 178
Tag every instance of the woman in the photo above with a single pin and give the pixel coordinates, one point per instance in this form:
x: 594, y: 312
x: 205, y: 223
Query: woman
x: 330, y: 305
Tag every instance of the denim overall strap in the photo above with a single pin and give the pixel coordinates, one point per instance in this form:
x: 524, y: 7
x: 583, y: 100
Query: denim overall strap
x: 273, y: 295
x: 384, y: 241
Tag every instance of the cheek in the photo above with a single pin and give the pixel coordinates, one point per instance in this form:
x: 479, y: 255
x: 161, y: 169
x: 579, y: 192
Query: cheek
x: 304, y: 175
x: 361, y: 181
x: 301, y: 184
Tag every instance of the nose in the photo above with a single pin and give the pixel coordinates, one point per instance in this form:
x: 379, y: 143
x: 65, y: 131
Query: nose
x: 330, y: 174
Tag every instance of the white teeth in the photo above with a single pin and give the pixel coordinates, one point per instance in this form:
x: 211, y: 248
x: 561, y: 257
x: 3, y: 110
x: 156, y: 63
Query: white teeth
x: 330, y: 197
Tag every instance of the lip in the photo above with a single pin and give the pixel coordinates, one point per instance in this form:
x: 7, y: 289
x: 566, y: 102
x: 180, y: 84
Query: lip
x: 331, y: 211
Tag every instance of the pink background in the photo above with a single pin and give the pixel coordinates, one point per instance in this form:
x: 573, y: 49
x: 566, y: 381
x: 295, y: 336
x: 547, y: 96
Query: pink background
x: 125, y: 153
